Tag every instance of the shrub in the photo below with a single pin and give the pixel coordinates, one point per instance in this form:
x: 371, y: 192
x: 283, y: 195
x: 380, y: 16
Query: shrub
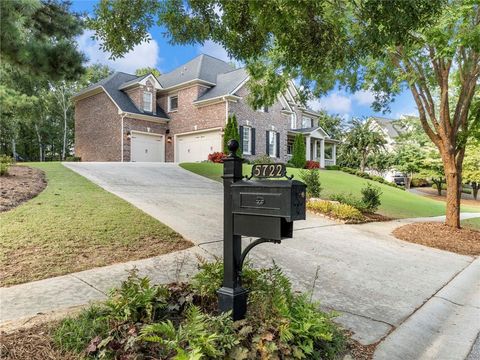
x: 299, y: 152
x: 5, y: 163
x: 216, y: 157
x: 231, y: 133
x: 339, y: 211
x: 263, y: 159
x: 312, y: 165
x: 349, y: 199
x: 73, y: 158
x: 371, y: 197
x: 332, y: 167
x: 419, y: 182
x: 311, y: 178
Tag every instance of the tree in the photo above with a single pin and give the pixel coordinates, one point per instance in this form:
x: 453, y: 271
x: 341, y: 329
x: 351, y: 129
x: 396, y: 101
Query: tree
x: 362, y: 140
x: 231, y: 133
x: 334, y: 125
x: 299, y: 155
x: 383, y: 46
x: 148, y: 70
x: 380, y: 161
x: 408, y: 160
x: 432, y: 168
x: 471, y: 173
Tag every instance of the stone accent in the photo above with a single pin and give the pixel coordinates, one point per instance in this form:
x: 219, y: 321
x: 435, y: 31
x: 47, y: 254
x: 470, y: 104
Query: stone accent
x: 261, y: 121
x: 190, y: 117
x: 130, y: 125
x: 97, y: 129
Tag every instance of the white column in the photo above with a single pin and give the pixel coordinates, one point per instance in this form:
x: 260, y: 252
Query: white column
x: 308, y: 148
x: 322, y: 153
x: 334, y: 154
x: 315, y: 155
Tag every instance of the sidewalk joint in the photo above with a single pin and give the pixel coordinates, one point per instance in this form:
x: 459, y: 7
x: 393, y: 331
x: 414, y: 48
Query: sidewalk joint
x: 86, y: 283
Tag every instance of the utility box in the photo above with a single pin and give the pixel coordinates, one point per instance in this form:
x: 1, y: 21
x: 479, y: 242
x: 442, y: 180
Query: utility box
x: 267, y: 208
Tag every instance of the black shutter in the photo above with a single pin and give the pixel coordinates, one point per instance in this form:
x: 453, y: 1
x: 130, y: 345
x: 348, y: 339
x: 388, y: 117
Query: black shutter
x: 267, y: 148
x: 252, y: 136
x: 241, y: 139
x: 278, y: 145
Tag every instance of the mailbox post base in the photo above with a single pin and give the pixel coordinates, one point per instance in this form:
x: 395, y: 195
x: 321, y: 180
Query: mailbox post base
x: 234, y: 300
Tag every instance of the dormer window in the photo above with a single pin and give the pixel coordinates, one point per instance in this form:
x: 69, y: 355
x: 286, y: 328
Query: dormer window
x: 263, y: 109
x: 147, y: 101
x: 307, y: 122
x: 173, y: 103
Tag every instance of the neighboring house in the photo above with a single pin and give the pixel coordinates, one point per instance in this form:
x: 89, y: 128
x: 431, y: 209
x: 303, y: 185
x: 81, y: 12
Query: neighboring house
x: 390, y: 128
x: 180, y: 117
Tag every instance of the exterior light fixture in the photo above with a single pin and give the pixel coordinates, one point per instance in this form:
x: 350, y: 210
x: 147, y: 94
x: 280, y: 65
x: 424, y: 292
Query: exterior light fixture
x: 129, y: 135
x: 169, y: 139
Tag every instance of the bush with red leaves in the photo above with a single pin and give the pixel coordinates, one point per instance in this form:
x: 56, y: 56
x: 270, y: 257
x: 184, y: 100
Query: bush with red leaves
x: 216, y: 157
x: 312, y: 165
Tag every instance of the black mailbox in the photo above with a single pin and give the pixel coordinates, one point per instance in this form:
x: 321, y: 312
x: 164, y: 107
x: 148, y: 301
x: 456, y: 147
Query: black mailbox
x: 267, y: 208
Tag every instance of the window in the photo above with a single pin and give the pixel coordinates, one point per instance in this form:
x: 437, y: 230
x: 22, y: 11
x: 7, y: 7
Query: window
x: 263, y: 109
x: 293, y: 121
x: 306, y: 122
x: 173, y: 103
x: 272, y: 143
x: 247, y: 140
x: 147, y: 101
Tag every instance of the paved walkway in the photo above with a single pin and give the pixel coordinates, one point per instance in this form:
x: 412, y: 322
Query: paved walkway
x: 376, y: 281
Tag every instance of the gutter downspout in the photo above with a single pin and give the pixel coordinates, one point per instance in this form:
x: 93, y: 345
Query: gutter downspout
x: 121, y: 137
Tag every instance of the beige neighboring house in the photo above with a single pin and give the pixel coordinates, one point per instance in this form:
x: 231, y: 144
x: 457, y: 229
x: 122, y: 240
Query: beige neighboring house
x: 181, y: 115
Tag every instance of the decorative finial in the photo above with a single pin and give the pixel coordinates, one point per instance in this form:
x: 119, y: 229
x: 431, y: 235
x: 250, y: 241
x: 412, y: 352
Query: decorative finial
x: 233, y: 146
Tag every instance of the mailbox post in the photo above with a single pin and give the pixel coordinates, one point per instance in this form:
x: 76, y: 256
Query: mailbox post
x: 263, y: 209
x: 231, y: 296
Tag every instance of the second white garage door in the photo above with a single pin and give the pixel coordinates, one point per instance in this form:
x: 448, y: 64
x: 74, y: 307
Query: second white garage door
x: 196, y: 147
x: 147, y: 147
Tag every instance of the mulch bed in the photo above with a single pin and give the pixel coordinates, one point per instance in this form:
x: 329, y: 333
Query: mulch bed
x: 21, y: 184
x: 440, y: 236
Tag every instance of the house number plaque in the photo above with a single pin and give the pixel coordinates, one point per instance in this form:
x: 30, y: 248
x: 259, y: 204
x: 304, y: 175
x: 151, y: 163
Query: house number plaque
x: 269, y: 170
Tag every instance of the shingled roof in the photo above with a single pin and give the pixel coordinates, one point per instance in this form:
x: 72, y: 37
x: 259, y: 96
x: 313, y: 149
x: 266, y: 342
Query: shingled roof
x: 389, y: 126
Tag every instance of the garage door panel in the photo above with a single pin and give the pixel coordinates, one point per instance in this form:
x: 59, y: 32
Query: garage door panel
x: 147, y: 147
x: 196, y: 147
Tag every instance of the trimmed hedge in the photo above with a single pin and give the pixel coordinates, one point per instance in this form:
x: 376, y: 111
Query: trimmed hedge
x: 339, y: 211
x: 370, y: 177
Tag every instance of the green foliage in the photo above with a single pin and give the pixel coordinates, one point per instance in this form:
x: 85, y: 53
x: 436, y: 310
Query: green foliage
x: 371, y: 197
x: 73, y: 158
x: 332, y: 167
x: 5, y: 163
x: 148, y: 70
x: 381, y: 162
x: 370, y: 177
x: 299, y: 152
x: 408, y: 159
x: 74, y: 333
x: 263, y: 159
x: 311, y: 178
x: 137, y: 300
x: 339, y: 211
x: 231, y: 133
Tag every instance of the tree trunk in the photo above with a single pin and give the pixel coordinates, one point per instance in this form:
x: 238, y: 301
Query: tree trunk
x: 14, y: 149
x: 40, y: 158
x: 454, y: 191
x: 64, y: 148
x: 475, y: 190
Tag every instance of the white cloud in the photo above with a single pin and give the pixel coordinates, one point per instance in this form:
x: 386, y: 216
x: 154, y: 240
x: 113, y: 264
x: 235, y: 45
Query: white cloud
x: 214, y: 49
x: 364, y: 97
x: 333, y: 103
x: 142, y: 55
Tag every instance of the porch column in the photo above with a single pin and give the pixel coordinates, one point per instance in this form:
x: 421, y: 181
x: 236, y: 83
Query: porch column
x: 315, y: 155
x: 308, y: 148
x: 322, y: 153
x: 334, y: 154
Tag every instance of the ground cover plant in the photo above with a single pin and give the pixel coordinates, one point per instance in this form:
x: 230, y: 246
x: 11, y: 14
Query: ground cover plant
x: 75, y: 225
x: 5, y: 163
x: 472, y: 223
x: 339, y: 211
x: 180, y: 321
x: 396, y: 203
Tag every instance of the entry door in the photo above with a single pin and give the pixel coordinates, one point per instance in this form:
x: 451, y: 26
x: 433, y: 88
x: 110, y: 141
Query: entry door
x: 147, y: 147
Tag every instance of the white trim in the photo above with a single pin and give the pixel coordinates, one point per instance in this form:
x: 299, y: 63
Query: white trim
x: 249, y: 150
x: 150, y: 118
x: 218, y: 99
x: 219, y: 129
x: 274, y: 155
x: 143, y: 82
x: 121, y: 138
x: 169, y: 97
x: 240, y: 85
x: 293, y: 115
x: 151, y: 134
x: 186, y: 83
x: 146, y: 92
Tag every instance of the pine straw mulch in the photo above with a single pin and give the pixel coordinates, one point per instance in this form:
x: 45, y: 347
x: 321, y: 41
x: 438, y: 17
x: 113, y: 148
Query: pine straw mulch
x: 440, y: 236
x: 21, y: 184
x: 34, y: 343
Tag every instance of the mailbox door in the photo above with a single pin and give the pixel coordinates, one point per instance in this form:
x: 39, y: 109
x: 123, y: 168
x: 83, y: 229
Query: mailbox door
x: 273, y: 228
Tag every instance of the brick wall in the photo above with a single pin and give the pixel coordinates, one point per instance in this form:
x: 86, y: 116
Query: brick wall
x: 136, y: 95
x: 190, y: 117
x: 262, y: 121
x: 97, y: 129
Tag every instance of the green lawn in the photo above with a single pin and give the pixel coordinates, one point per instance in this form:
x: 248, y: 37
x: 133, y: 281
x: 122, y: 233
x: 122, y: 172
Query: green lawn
x: 395, y: 202
x: 472, y: 223
x: 74, y: 225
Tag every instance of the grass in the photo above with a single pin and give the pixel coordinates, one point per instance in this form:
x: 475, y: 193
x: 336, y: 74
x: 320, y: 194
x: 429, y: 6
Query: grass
x: 396, y: 203
x: 75, y: 225
x: 472, y: 223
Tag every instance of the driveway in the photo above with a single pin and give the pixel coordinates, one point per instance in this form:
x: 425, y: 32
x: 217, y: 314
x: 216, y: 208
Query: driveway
x: 373, y: 279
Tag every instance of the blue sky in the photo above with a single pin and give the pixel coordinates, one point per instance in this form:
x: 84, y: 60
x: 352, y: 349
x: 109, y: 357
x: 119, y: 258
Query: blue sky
x: 165, y: 57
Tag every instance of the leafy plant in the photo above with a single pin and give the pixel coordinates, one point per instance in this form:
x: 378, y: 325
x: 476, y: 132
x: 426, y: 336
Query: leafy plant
x: 312, y: 179
x: 231, y: 133
x: 349, y: 199
x: 263, y: 159
x: 216, y: 157
x: 5, y: 163
x: 298, y: 152
x: 371, y: 197
x: 312, y: 165
x: 338, y: 211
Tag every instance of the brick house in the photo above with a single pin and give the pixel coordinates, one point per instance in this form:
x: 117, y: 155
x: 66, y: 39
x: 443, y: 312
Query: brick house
x: 181, y: 115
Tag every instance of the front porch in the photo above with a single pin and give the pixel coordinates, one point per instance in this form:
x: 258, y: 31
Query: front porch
x: 318, y: 145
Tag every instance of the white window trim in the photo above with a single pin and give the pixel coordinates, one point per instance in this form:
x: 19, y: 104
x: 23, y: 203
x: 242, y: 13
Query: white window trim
x: 311, y: 122
x: 293, y: 121
x: 151, y: 101
x: 273, y: 154
x: 168, y: 103
x: 249, y: 150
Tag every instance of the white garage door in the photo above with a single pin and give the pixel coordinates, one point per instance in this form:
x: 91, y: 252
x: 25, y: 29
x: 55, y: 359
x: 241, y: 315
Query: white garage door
x: 147, y: 147
x: 197, y: 146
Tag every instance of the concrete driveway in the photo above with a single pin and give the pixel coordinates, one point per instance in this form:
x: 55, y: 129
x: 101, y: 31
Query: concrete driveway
x: 376, y: 281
